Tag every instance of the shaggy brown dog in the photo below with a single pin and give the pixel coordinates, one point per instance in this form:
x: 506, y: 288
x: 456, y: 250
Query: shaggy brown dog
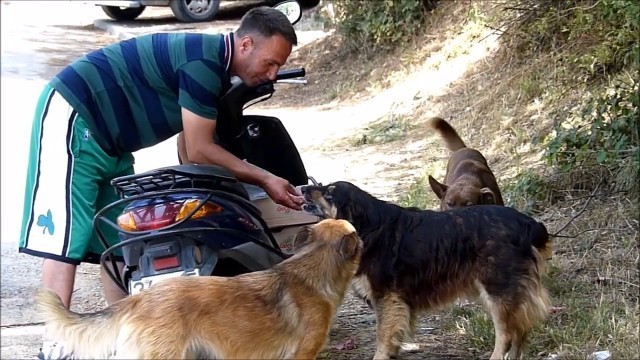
x: 283, y: 312
x: 415, y: 261
x: 469, y: 180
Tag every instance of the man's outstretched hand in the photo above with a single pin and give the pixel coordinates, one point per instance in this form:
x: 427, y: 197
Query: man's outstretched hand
x: 283, y: 193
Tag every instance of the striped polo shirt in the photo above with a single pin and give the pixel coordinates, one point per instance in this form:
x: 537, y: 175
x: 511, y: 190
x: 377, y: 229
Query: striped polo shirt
x: 130, y: 93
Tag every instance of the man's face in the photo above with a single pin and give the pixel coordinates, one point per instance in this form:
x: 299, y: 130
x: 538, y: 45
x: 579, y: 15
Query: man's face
x: 261, y: 58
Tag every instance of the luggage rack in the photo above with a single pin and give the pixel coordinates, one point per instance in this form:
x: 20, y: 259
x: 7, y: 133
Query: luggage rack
x: 178, y: 177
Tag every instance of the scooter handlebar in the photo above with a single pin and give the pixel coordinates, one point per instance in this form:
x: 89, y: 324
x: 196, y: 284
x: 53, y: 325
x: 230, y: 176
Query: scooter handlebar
x: 292, y: 81
x: 290, y: 74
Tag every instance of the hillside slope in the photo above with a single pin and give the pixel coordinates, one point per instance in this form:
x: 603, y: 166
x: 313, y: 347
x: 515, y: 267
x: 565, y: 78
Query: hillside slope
x: 557, y: 118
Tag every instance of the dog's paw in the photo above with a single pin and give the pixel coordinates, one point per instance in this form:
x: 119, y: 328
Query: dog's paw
x: 410, y: 347
x: 348, y: 344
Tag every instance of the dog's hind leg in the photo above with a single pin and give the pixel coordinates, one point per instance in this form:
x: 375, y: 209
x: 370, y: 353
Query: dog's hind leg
x: 502, y: 334
x: 393, y: 317
x: 511, y: 334
x: 532, y: 308
x: 312, y: 342
x: 517, y: 345
x: 513, y: 318
x: 500, y: 318
x: 413, y: 319
x: 409, y: 343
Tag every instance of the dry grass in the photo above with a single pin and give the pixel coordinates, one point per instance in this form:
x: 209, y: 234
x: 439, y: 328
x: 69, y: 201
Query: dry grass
x: 505, y: 107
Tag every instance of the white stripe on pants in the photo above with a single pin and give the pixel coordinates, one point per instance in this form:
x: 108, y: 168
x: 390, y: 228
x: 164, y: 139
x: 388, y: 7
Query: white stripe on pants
x: 52, y: 197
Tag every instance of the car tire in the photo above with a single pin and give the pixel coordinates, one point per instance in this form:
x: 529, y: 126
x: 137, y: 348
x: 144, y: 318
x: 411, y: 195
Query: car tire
x: 306, y: 4
x: 187, y: 10
x: 122, y: 14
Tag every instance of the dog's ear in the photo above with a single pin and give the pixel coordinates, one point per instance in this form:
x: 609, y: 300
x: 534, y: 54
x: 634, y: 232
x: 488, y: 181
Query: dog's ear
x: 328, y: 195
x: 488, y: 197
x: 348, y: 246
x: 437, y: 187
x: 302, y: 238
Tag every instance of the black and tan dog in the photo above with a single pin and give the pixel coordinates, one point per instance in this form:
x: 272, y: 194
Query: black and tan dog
x: 283, y: 312
x: 469, y: 180
x: 415, y: 261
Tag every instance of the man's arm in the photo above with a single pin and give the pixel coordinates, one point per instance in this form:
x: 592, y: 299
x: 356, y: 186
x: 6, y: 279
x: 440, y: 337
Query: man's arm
x: 182, y: 150
x: 200, y: 148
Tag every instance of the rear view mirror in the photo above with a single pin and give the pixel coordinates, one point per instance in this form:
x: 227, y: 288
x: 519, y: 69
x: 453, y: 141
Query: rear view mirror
x: 291, y: 9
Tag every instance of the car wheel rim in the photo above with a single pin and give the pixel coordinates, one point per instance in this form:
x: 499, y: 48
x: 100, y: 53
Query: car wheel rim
x: 198, y: 7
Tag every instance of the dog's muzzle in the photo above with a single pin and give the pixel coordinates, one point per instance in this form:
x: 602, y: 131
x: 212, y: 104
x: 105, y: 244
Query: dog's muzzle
x: 310, y: 206
x: 312, y: 209
x: 304, y: 190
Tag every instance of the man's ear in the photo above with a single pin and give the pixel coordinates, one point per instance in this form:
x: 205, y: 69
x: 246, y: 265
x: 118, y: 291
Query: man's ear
x: 487, y: 196
x: 303, y: 237
x: 437, y: 187
x: 348, y: 246
x: 246, y: 43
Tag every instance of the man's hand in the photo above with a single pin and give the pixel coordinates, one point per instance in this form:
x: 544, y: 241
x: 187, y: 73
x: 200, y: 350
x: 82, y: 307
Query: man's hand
x: 200, y: 149
x: 283, y: 193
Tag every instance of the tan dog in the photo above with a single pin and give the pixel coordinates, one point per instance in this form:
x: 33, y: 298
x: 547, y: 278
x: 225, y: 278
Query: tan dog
x: 283, y: 312
x: 469, y: 180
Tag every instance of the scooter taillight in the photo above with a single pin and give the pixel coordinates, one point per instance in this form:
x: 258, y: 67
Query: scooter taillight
x: 160, y: 215
x: 167, y: 262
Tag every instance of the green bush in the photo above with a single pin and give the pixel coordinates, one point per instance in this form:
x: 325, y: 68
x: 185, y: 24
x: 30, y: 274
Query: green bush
x: 381, y: 24
x: 604, y: 130
x: 595, y: 42
x: 603, y: 35
x: 602, y: 133
x: 526, y: 191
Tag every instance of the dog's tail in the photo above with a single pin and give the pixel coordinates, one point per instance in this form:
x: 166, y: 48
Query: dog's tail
x: 448, y: 133
x: 536, y: 302
x: 541, y: 241
x: 85, y: 335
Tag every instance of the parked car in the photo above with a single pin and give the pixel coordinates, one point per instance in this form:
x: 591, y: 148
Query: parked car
x: 188, y: 11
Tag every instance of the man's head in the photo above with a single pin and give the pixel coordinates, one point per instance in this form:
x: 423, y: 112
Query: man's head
x: 263, y: 42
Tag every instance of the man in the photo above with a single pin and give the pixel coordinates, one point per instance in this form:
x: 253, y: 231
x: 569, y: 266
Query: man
x: 128, y: 96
